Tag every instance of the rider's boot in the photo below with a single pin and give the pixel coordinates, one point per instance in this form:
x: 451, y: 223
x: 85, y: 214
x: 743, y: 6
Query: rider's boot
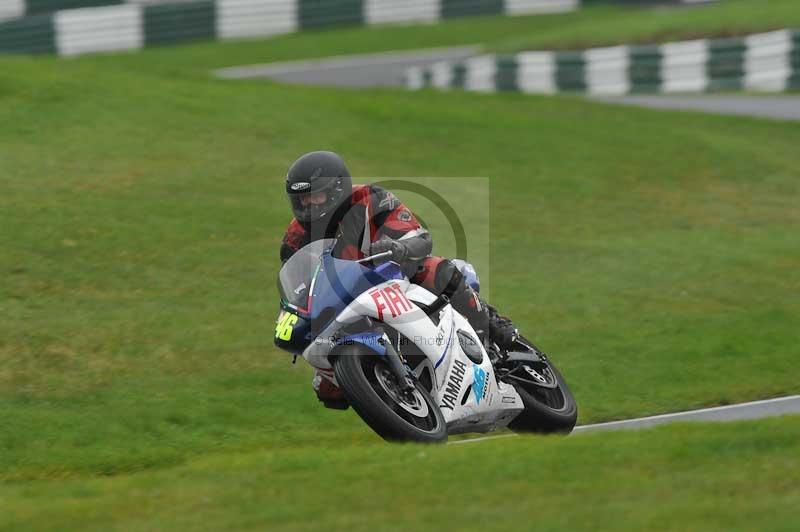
x: 492, y: 328
x: 502, y: 330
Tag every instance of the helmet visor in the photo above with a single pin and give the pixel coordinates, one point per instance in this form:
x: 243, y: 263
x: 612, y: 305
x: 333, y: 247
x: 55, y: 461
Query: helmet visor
x: 312, y: 205
x: 309, y: 206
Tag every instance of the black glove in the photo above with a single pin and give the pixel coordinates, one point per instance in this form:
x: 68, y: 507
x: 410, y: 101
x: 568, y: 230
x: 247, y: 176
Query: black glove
x: 398, y: 249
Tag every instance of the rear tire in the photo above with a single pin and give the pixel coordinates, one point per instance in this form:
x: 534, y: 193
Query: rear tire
x: 367, y: 384
x: 546, y: 411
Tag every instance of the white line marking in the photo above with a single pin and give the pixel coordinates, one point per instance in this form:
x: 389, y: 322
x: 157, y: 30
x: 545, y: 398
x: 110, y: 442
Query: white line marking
x: 691, y: 414
x: 750, y: 410
x: 482, y: 438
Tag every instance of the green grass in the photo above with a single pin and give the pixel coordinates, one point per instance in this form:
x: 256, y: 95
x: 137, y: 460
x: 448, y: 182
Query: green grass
x: 141, y: 217
x: 591, y: 26
x: 741, y: 476
x: 654, y: 254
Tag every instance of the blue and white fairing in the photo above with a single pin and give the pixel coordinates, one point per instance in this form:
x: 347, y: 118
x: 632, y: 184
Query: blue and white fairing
x: 315, y: 287
x: 343, y: 292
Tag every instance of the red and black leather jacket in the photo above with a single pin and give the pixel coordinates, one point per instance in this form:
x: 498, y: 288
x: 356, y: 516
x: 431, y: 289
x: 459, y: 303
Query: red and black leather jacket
x: 373, y: 214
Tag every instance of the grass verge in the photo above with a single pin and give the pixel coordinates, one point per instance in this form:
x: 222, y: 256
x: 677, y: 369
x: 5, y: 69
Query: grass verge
x: 725, y: 477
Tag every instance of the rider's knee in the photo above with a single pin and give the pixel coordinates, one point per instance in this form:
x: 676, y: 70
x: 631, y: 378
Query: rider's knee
x: 449, y: 279
x: 441, y: 276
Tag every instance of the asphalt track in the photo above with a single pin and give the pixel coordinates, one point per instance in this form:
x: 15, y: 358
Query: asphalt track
x: 785, y: 107
x: 387, y: 69
x: 753, y: 410
x: 360, y: 71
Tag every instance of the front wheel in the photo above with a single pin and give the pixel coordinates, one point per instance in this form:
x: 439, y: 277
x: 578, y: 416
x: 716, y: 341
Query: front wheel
x: 374, y: 393
x: 549, y: 404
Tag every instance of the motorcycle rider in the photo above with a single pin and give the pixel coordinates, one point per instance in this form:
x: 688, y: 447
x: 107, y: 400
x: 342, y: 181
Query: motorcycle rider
x: 368, y: 220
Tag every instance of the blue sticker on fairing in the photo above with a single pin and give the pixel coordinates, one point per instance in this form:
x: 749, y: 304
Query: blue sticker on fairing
x: 371, y: 340
x: 479, y: 384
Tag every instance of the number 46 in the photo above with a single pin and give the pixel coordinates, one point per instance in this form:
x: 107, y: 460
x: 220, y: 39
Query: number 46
x: 285, y: 325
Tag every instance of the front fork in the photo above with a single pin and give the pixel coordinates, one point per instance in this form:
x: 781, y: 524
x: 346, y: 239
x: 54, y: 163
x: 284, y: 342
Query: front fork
x: 396, y: 364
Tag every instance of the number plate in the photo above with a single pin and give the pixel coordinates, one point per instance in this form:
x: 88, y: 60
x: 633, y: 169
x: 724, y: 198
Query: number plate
x: 285, y: 325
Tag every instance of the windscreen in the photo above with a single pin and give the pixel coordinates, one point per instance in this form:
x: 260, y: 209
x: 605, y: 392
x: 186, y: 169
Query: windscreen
x: 297, y: 274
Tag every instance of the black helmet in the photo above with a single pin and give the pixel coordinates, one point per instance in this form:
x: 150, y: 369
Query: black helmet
x: 315, y: 172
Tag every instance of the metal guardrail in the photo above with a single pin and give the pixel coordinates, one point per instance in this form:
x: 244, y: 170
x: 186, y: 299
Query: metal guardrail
x: 133, y: 24
x: 760, y: 62
x: 71, y: 27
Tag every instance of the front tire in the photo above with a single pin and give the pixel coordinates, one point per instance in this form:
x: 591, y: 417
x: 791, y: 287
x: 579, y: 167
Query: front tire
x: 372, y: 391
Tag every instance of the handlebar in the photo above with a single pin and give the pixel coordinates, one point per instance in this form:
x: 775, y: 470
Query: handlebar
x: 385, y: 254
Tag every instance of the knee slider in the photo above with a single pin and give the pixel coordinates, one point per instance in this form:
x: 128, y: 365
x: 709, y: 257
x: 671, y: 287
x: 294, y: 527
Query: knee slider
x: 448, y: 279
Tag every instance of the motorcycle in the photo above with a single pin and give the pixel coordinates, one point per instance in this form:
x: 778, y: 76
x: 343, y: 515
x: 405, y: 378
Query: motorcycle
x: 410, y: 365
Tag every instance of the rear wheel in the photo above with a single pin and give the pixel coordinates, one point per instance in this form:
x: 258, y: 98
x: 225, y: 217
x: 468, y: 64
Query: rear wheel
x: 375, y: 394
x: 549, y: 404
